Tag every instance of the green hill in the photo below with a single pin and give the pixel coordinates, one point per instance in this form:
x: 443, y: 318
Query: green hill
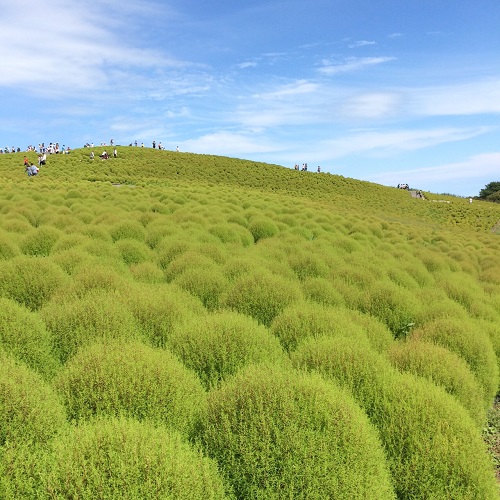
x: 283, y: 334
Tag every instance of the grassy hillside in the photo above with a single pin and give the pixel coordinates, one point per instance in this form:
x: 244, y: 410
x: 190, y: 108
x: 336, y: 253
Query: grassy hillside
x: 190, y: 326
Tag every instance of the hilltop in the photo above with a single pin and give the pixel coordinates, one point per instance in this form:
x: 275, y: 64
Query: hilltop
x: 148, y: 167
x: 209, y: 327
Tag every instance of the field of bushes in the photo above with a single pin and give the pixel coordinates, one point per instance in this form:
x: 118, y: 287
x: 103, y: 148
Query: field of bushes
x: 188, y: 326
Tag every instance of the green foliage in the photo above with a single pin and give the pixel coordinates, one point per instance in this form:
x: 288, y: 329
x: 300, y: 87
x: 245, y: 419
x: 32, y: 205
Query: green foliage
x: 132, y: 379
x: 23, y: 335
x: 278, y: 434
x: 30, y: 411
x: 261, y: 296
x: 119, y: 458
x: 158, y: 309
x: 219, y: 345
x: 262, y: 228
x: 98, y: 316
x: 471, y: 343
x: 30, y: 281
x: 490, y: 192
x: 444, y: 368
x: 304, y: 320
x: 432, y: 445
x: 167, y: 255
x: 39, y: 241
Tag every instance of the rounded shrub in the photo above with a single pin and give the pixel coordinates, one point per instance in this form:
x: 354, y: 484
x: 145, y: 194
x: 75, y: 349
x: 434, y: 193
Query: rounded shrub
x: 304, y: 319
x: 322, y: 291
x: 219, y: 345
x: 23, y: 335
x: 433, y: 448
x: 158, y: 308
x: 128, y: 229
x: 30, y: 412
x: 147, y: 272
x: 97, y: 316
x: 133, y: 251
x: 206, y: 284
x: 262, y: 228
x: 8, y: 247
x: 121, y: 458
x: 39, y: 241
x: 395, y: 306
x: 232, y: 233
x: 132, y: 379
x: 261, y: 295
x: 31, y: 281
x: 444, y: 368
x: 471, y: 343
x: 279, y: 434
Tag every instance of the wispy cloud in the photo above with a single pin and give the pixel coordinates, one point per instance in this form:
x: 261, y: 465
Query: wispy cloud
x: 360, y: 43
x: 481, y: 96
x: 248, y: 64
x: 229, y: 143
x: 477, y: 169
x: 351, y: 64
x: 394, y: 142
x: 290, y: 90
x: 73, y: 48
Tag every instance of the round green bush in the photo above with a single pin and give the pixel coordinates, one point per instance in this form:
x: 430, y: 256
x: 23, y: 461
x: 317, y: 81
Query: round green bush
x: 30, y: 412
x: 8, y: 247
x: 31, y: 281
x: 206, y: 284
x: 128, y: 229
x: 132, y: 379
x: 219, y: 345
x: 23, y: 335
x: 261, y: 295
x: 304, y: 319
x: 158, y: 308
x: 39, y: 241
x: 433, y: 447
x: 394, y: 305
x: 322, y: 291
x: 444, y: 368
x: 471, y: 343
x: 98, y: 316
x: 133, y: 251
x: 232, y: 233
x: 120, y: 458
x: 278, y: 434
x: 262, y: 228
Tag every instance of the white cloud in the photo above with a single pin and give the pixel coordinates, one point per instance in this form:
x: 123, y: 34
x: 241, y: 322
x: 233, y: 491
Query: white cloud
x: 478, y: 97
x: 229, y: 144
x: 360, y: 43
x: 390, y: 143
x: 478, y: 169
x: 371, y: 105
x: 291, y: 90
x: 351, y: 64
x: 60, y: 46
x: 247, y: 65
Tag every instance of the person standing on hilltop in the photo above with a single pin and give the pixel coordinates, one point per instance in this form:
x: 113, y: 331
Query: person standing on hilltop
x: 154, y: 145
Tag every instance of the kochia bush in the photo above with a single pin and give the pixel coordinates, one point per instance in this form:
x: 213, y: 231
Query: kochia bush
x: 30, y: 411
x: 131, y: 379
x: 23, y: 335
x: 279, y: 434
x: 122, y: 458
x: 219, y: 345
x: 432, y: 445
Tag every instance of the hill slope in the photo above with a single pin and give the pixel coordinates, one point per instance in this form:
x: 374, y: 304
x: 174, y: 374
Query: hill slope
x: 266, y: 326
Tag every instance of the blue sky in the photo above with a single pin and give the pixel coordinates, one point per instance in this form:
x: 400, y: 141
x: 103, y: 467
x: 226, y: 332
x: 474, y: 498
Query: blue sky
x: 381, y: 90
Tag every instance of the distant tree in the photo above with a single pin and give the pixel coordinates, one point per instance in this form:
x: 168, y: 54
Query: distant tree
x: 491, y: 192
